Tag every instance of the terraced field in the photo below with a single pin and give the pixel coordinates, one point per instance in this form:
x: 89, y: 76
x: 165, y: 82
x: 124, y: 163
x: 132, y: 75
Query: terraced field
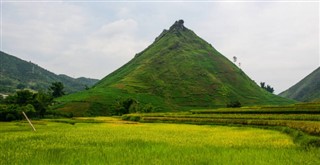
x: 248, y: 135
x: 301, y: 121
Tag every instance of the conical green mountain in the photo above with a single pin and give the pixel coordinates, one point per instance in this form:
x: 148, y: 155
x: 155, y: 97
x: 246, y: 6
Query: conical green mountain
x: 179, y: 70
x: 308, y: 89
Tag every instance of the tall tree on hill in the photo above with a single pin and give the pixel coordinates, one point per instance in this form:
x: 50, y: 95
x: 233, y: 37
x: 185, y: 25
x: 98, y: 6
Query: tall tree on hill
x: 234, y: 59
x: 267, y: 88
x: 57, y: 89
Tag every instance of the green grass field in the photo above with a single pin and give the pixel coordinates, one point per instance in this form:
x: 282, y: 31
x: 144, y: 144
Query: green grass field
x: 105, y: 140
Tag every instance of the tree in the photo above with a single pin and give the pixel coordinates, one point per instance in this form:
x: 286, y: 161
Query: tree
x: 234, y: 104
x: 57, y: 89
x: 131, y: 105
x: 1, y: 99
x: 23, y: 97
x: 41, y: 102
x: 267, y: 88
x: 33, y: 104
x: 234, y: 59
x: 21, y: 86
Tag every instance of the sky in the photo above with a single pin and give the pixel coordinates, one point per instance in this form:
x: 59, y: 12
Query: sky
x: 276, y: 42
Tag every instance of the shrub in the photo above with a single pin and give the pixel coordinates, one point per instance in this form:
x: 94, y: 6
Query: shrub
x: 125, y: 117
x: 135, y: 118
x: 10, y: 117
x: 234, y: 104
x: 131, y: 105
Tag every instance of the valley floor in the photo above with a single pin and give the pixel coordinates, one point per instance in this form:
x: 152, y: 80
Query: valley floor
x: 106, y: 140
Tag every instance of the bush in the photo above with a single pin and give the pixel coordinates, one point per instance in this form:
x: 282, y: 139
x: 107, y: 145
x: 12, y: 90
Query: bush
x: 135, y: 118
x: 131, y: 105
x: 33, y: 104
x: 147, y: 108
x: 234, y: 104
x: 10, y: 117
x: 125, y: 117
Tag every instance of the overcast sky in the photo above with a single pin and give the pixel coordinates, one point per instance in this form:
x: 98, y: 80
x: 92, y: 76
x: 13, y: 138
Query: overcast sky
x: 276, y: 42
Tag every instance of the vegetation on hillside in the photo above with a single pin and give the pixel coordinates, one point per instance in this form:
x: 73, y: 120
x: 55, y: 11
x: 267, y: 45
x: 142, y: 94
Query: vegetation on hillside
x: 308, y: 89
x: 179, y: 71
x: 266, y: 87
x: 17, y: 74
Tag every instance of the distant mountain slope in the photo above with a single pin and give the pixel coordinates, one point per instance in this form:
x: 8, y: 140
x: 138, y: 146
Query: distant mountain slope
x: 308, y: 89
x: 178, y: 71
x: 16, y: 73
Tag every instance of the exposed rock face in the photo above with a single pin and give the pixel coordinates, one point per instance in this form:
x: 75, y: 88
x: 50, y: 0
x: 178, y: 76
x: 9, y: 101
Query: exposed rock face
x: 177, y: 26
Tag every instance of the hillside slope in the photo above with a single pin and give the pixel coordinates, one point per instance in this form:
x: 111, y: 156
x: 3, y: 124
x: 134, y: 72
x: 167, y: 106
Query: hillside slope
x: 16, y: 73
x: 308, y: 89
x: 178, y: 71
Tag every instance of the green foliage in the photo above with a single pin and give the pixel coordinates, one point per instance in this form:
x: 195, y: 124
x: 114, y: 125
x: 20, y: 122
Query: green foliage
x: 130, y: 105
x: 23, y: 97
x: 1, y: 99
x: 234, y: 104
x: 57, y: 89
x: 42, y: 101
x: 10, y: 112
x: 135, y: 118
x: 33, y: 104
x: 21, y: 86
x: 10, y: 117
x: 267, y: 88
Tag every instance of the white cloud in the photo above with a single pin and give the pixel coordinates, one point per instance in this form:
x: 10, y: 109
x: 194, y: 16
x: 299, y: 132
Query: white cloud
x: 65, y: 39
x: 40, y: 30
x: 106, y: 49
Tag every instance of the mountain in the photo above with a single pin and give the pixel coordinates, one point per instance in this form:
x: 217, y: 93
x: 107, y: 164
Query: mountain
x: 19, y: 74
x: 178, y: 71
x: 308, y: 89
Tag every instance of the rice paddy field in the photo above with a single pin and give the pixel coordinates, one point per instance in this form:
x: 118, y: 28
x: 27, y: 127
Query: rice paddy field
x: 106, y: 140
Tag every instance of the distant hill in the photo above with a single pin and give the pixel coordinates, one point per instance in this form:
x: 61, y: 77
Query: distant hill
x: 308, y: 89
x: 16, y: 74
x: 178, y: 71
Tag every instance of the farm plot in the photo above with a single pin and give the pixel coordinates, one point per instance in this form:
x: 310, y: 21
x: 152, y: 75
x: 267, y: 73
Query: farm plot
x: 112, y: 141
x: 301, y: 121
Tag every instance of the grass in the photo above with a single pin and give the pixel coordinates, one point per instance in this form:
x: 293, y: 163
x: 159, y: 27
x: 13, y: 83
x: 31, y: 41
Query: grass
x: 112, y: 141
x: 178, y: 72
x: 305, y: 90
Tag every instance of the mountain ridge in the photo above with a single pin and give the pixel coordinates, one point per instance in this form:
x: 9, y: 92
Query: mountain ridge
x: 307, y: 89
x: 19, y: 74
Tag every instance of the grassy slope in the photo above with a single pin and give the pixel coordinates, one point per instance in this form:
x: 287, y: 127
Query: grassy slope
x: 178, y: 71
x: 119, y: 143
x: 308, y: 89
